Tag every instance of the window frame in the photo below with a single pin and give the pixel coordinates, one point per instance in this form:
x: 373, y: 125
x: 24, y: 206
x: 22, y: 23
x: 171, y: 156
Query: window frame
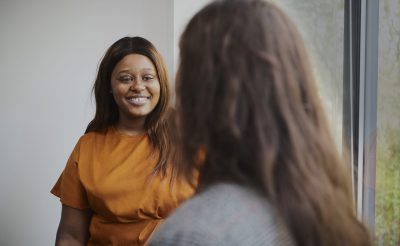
x: 360, y: 78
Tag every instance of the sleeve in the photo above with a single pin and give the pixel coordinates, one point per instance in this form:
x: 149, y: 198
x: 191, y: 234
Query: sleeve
x: 69, y: 187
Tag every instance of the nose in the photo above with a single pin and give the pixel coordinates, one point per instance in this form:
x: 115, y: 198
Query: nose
x: 137, y: 86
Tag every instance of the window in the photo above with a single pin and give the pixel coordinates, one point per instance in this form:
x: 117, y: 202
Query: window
x: 387, y: 201
x: 321, y: 24
x: 355, y: 51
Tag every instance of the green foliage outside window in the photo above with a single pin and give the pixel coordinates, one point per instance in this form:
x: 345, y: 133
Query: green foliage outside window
x: 387, y: 203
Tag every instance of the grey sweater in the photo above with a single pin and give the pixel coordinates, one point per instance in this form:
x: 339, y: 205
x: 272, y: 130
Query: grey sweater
x: 223, y: 214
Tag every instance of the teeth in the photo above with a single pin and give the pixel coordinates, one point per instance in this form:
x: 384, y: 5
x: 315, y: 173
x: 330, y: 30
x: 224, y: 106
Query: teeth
x: 147, y: 97
x: 138, y: 99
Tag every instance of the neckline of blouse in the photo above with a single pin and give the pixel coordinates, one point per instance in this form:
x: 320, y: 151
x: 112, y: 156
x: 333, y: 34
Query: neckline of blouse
x: 124, y: 135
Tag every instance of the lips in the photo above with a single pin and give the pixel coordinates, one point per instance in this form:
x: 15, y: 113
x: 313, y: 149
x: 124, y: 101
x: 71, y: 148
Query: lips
x: 138, y: 100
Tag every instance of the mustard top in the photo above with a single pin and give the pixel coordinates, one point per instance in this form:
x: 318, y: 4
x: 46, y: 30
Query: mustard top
x: 109, y: 173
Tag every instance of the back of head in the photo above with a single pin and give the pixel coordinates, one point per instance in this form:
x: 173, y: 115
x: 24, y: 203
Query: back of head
x: 247, y: 99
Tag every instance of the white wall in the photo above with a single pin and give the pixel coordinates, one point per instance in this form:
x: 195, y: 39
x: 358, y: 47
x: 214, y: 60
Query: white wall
x: 49, y: 52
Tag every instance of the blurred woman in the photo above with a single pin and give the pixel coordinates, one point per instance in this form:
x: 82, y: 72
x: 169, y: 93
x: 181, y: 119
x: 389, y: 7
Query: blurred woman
x: 118, y: 184
x: 251, y: 121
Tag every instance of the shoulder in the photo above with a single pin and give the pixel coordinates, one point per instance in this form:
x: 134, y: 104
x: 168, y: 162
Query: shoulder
x: 224, y: 214
x: 86, y: 141
x: 90, y: 137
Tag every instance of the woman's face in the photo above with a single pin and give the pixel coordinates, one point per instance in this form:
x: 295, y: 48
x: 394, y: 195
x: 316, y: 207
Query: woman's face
x: 135, y: 86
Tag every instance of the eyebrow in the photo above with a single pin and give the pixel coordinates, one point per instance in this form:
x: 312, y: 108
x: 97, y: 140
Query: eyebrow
x: 148, y: 69
x: 126, y: 70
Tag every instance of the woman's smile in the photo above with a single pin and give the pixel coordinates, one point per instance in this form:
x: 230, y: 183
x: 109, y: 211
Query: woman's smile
x: 138, y: 100
x: 135, y: 86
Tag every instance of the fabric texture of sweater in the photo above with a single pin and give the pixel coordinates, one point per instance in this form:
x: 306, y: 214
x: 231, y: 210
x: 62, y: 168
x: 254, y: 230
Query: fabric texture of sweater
x: 224, y: 214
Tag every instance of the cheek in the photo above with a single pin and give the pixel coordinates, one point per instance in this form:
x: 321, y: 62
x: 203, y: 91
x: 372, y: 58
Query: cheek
x: 114, y: 90
x: 156, y: 91
x: 118, y: 90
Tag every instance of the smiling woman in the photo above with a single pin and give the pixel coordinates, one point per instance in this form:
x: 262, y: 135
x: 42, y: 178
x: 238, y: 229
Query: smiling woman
x: 116, y: 186
x: 136, y: 89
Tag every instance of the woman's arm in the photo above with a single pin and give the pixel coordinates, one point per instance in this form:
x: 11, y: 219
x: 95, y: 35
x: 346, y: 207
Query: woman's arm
x: 74, y: 227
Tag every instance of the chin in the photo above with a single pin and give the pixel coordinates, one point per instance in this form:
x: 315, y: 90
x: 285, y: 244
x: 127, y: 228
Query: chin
x: 139, y: 114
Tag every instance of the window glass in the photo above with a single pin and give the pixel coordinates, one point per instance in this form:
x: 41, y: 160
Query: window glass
x: 387, y: 203
x: 321, y: 24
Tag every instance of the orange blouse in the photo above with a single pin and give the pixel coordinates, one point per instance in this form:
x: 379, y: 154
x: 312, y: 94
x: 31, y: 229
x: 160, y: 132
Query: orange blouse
x: 109, y: 173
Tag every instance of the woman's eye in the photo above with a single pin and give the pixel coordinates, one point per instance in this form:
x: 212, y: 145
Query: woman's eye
x: 147, y: 77
x: 125, y: 79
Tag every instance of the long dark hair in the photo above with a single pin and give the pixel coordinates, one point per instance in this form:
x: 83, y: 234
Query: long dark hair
x: 107, y: 114
x: 248, y: 104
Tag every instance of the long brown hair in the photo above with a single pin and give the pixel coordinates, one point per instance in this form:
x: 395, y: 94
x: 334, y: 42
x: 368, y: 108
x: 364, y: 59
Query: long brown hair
x: 247, y: 100
x: 107, y: 114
